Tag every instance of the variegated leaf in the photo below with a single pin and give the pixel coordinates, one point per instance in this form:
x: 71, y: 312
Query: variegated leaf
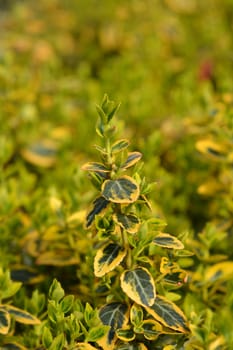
x: 169, y: 314
x: 151, y: 329
x: 122, y: 190
x: 84, y: 346
x: 21, y: 316
x: 139, y: 285
x: 125, y: 334
x: 133, y: 158
x: 168, y: 241
x: 4, y: 321
x: 129, y: 222
x: 99, y: 204
x: 96, y: 167
x: 212, y: 148
x: 114, y: 315
x: 107, y: 258
x: 220, y: 271
x: 120, y: 145
x: 41, y: 154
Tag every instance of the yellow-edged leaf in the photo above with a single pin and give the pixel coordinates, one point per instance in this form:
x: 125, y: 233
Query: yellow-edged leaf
x: 129, y: 222
x: 151, y: 329
x: 99, y: 204
x: 136, y: 315
x: 169, y: 314
x: 133, y: 158
x: 96, y: 167
x: 42, y: 154
x: 114, y: 315
x: 120, y: 145
x: 168, y: 241
x: 212, y: 148
x: 107, y: 258
x: 220, y: 271
x: 20, y: 315
x: 122, y: 190
x: 4, y: 321
x: 125, y: 334
x: 139, y: 285
x: 13, y: 346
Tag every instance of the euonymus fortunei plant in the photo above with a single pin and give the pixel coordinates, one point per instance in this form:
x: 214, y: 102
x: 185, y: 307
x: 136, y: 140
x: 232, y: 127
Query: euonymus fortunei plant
x: 136, y: 264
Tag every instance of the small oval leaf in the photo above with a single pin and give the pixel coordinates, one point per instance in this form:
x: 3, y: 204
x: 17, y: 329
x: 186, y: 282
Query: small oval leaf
x: 139, y: 285
x: 133, y: 158
x: 107, y: 258
x: 129, y: 222
x: 114, y: 315
x: 151, y: 329
x: 168, y: 241
x: 99, y: 204
x: 96, y: 167
x: 125, y: 334
x: 169, y: 314
x: 120, y: 145
x: 123, y: 190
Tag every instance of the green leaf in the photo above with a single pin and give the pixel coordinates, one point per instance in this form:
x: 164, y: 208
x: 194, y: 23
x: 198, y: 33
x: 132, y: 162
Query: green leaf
x: 4, y: 321
x: 122, y: 190
x: 139, y: 285
x: 96, y: 333
x: 125, y: 334
x: 56, y: 292
x: 168, y: 241
x: 107, y: 258
x: 120, y: 145
x: 47, y: 337
x: 151, y: 329
x: 99, y: 204
x: 67, y: 303
x: 169, y: 314
x: 113, y: 315
x: 136, y: 315
x: 129, y: 222
x: 21, y: 316
x: 133, y: 158
x: 95, y: 167
x: 58, y: 342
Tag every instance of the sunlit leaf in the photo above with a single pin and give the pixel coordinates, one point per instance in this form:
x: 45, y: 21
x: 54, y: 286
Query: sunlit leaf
x: 169, y: 314
x: 107, y: 258
x: 136, y: 315
x: 96, y: 167
x: 21, y: 316
x: 168, y: 241
x: 212, y: 148
x: 129, y: 222
x: 122, y: 190
x: 42, y: 154
x: 4, y: 321
x: 99, y: 204
x: 120, y: 145
x: 220, y: 271
x: 133, y: 158
x: 139, y: 285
